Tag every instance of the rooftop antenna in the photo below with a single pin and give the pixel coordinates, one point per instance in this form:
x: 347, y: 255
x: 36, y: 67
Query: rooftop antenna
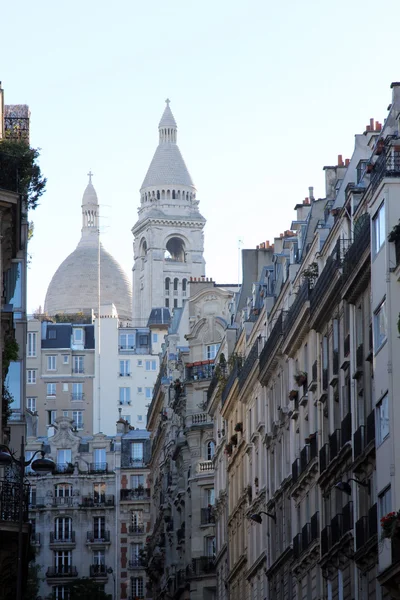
x: 240, y: 244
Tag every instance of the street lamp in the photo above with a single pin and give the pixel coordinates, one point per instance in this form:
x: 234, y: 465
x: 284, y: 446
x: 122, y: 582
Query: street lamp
x: 111, y: 572
x: 40, y: 465
x: 258, y: 518
x: 344, y: 486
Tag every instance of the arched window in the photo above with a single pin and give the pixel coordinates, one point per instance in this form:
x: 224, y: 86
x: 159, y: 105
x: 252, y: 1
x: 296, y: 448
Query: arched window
x: 158, y: 194
x: 175, y: 250
x: 173, y: 194
x: 167, y: 283
x: 210, y: 450
x: 176, y: 281
x: 184, y: 285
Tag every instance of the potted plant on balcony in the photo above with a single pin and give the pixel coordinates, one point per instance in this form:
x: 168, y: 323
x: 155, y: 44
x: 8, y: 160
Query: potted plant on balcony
x: 239, y: 427
x: 293, y: 395
x: 234, y: 439
x: 390, y: 525
x: 301, y: 378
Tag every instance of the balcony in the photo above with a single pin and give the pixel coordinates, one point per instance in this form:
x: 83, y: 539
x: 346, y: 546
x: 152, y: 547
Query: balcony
x: 324, y: 293
x: 62, y: 539
x: 355, y: 252
x: 124, y: 374
x: 358, y: 441
x: 334, y: 444
x: 295, y: 470
x: 98, y: 537
x: 335, y: 364
x: 213, y: 385
x: 388, y: 163
x: 98, y: 571
x: 231, y: 380
x: 314, y: 527
x: 272, y: 345
x: 205, y: 466
x: 134, y: 494
x: 323, y: 458
x: 200, y: 370
x: 207, y: 516
x: 296, y: 321
x: 78, y: 371
x: 359, y: 360
x: 367, y: 528
x: 97, y: 501
x: 136, y: 563
x: 63, y: 468
x: 371, y: 427
x: 77, y: 397
x: 136, y: 529
x: 347, y: 521
x: 205, y: 565
x: 62, y: 501
x: 363, y: 439
x: 248, y: 364
x: 346, y: 345
x: 61, y: 572
x: 98, y: 467
x: 297, y: 546
x: 9, y: 501
x: 304, y: 458
x: 202, y: 418
x: 325, y: 540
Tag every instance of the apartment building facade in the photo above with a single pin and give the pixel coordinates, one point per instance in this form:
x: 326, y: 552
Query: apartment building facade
x: 306, y: 411
x: 88, y: 517
x: 182, y: 540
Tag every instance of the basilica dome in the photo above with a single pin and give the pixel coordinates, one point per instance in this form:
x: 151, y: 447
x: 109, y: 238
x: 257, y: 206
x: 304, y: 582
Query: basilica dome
x: 74, y: 286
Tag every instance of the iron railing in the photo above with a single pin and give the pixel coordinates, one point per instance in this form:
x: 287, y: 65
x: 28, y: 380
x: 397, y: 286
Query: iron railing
x: 207, y: 516
x: 305, y: 536
x: 325, y: 540
x: 98, y: 571
x: 315, y: 526
x: 9, y: 501
x: 313, y: 447
x: 371, y: 426
x: 361, y: 532
x: 213, y: 385
x: 360, y: 356
x: 358, y: 441
x: 16, y: 127
x: 62, y: 538
x: 248, y: 364
x: 335, y: 362
x: 272, y: 342
x: 204, y: 370
x: 304, y: 458
x: 202, y: 565
x: 336, y: 528
x: 97, y: 536
x: 334, y: 444
x: 97, y: 500
x: 303, y: 295
x: 98, y: 467
x: 77, y: 396
x: 136, y: 529
x: 62, y: 501
x: 295, y: 470
x: 373, y: 520
x: 231, y: 380
x: 387, y: 165
x: 134, y: 494
x: 62, y: 571
x: 326, y: 277
x: 323, y: 458
x: 362, y: 237
x: 63, y: 468
x: 297, y: 545
x: 325, y: 379
x: 347, y: 520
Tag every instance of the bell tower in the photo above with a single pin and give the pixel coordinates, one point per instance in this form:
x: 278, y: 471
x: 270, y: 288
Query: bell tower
x: 168, y: 236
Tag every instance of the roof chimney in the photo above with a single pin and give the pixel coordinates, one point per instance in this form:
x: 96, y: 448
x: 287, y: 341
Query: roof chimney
x: 311, y: 193
x: 340, y: 160
x: 347, y: 162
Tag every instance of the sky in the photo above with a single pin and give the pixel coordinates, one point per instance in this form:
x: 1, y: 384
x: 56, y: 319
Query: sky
x: 265, y: 94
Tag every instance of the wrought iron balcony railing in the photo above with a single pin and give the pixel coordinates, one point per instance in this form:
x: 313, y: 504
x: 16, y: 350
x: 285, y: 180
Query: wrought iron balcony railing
x: 334, y: 444
x: 362, y: 238
x: 358, y: 441
x: 68, y: 537
x: 136, y: 529
x: 303, y: 295
x: 202, y: 566
x: 61, y: 571
x: 248, y: 364
x: 97, y: 500
x: 207, y: 516
x: 324, y: 458
x: 345, y: 429
x: 315, y: 526
x: 371, y: 427
x: 272, y: 342
x: 78, y: 396
x: 231, y: 380
x: 93, y: 537
x: 98, y: 571
x: 203, y: 370
x: 135, y: 494
x: 98, y: 467
x: 388, y: 163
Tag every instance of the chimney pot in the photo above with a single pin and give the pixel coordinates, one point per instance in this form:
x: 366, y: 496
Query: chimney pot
x: 340, y: 160
x: 347, y: 162
x: 311, y: 192
x: 368, y: 128
x: 371, y: 124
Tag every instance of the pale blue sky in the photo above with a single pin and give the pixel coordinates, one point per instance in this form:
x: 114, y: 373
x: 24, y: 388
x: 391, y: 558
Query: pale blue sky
x: 265, y: 93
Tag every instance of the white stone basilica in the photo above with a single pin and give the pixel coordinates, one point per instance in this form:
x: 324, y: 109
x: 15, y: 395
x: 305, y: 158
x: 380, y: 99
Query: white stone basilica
x: 168, y: 236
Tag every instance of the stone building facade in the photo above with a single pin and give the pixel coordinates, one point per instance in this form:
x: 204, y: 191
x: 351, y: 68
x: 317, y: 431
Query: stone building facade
x: 182, y: 541
x: 89, y: 517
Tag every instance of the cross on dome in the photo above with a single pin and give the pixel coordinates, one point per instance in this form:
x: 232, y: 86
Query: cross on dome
x: 168, y: 101
x: 90, y: 175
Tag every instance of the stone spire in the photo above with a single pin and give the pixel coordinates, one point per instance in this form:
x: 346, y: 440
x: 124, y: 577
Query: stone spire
x: 167, y: 127
x: 90, y: 212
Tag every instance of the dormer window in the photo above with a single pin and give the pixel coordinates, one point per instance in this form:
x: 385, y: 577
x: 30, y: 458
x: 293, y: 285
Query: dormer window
x: 78, y: 335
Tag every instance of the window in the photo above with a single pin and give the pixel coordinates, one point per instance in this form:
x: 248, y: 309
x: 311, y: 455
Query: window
x: 126, y: 418
x: 63, y: 527
x: 32, y: 495
x: 64, y: 458
x: 385, y: 502
x: 52, y: 334
x: 13, y: 285
x: 65, y: 359
x: 137, y: 587
x: 382, y: 409
x: 79, y: 364
x: 155, y: 338
x: 124, y: 395
x: 62, y: 559
x: 51, y: 363
x: 380, y: 326
x: 31, y: 344
x: 166, y: 302
x: 31, y: 403
x: 151, y: 365
x: 143, y: 340
x: 210, y: 450
x: 137, y: 453
x: 60, y: 593
x: 184, y: 283
x: 65, y: 413
x: 149, y: 393
x: 13, y: 383
x: 99, y: 528
x: 126, y: 341
x: 65, y: 387
x: 124, y: 368
x: 211, y: 351
x: 77, y: 391
x: 51, y: 416
x: 100, y: 458
x: 140, y: 363
x: 77, y: 416
x: 31, y: 376
x: 140, y: 417
x: 136, y: 481
x: 99, y: 561
x: 210, y: 497
x: 99, y: 493
x: 140, y: 390
x: 51, y: 390
x: 78, y: 335
x: 210, y: 546
x: 175, y: 303
x: 379, y: 228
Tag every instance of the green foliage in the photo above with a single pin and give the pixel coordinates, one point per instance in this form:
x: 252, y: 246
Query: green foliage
x: 31, y: 181
x: 33, y: 581
x: 7, y: 400
x: 31, y: 229
x: 10, y: 352
x: 86, y: 589
x: 311, y: 272
x: 78, y: 317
